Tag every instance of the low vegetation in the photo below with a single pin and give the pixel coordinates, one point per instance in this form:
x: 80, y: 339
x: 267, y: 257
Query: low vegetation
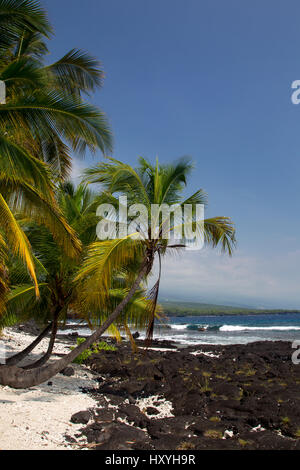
x: 94, y: 349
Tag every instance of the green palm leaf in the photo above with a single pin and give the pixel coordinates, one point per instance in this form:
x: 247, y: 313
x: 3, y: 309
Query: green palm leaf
x: 19, y: 15
x: 17, y: 163
x: 77, y: 71
x: 81, y: 124
x: 17, y: 239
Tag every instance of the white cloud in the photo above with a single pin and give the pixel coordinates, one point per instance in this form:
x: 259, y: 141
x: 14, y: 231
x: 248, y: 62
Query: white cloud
x: 78, y: 167
x: 258, y: 281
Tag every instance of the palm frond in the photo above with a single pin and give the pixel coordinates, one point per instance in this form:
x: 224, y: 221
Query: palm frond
x: 79, y: 123
x: 199, y: 197
x: 26, y: 199
x: 17, y: 239
x: 31, y: 44
x: 22, y: 72
x: 4, y: 286
x: 77, y: 71
x: 58, y: 155
x: 220, y: 231
x: 22, y: 305
x: 118, y: 177
x: 18, y: 164
x: 19, y: 15
x: 103, y: 260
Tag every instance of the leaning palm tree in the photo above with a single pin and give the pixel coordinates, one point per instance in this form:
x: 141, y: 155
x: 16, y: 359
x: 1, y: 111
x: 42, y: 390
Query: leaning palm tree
x: 44, y: 119
x: 107, y: 259
x: 54, y: 268
x: 150, y: 187
x: 55, y: 273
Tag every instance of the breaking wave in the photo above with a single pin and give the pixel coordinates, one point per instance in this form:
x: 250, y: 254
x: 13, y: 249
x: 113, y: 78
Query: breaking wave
x: 257, y: 328
x: 232, y: 328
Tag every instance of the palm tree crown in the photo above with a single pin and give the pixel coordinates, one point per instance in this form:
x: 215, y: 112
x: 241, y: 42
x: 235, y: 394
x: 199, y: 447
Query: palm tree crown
x: 149, y: 185
x: 44, y: 119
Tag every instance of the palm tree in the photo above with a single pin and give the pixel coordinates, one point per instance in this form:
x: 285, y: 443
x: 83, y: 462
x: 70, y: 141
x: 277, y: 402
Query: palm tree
x: 107, y: 259
x: 43, y: 120
x: 147, y: 185
x: 55, y: 269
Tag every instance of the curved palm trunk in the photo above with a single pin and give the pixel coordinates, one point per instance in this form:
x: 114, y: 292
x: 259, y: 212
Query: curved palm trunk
x: 13, y: 360
x: 46, y: 356
x: 19, y: 378
x: 153, y: 295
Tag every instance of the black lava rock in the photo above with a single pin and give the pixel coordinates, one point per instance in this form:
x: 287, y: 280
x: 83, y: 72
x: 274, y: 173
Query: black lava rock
x: 68, y: 372
x: 238, y: 397
x: 82, y: 417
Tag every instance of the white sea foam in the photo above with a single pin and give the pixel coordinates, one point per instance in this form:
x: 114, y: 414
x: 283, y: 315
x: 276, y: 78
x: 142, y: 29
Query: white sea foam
x: 196, y: 333
x: 179, y: 327
x: 258, y: 328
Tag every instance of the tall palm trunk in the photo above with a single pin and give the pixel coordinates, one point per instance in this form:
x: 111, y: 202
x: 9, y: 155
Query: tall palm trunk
x: 19, y: 378
x: 13, y: 360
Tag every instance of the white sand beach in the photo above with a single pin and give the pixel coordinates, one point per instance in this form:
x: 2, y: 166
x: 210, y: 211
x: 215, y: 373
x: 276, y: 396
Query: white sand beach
x: 39, y: 417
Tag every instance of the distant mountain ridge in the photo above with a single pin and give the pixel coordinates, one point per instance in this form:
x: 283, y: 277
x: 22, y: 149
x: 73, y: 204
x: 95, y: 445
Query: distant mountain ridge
x: 174, y: 308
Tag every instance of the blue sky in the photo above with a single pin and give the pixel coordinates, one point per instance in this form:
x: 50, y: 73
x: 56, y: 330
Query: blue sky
x: 209, y: 79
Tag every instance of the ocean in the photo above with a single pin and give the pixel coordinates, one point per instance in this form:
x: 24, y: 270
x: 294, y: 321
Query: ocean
x: 221, y: 329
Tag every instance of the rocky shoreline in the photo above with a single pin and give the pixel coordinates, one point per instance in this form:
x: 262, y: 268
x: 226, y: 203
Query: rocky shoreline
x: 167, y: 397
x: 205, y: 397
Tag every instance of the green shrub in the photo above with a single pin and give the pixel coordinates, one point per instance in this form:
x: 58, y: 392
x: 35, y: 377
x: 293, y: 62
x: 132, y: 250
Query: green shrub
x: 186, y: 446
x: 213, y: 434
x: 244, y: 443
x: 215, y: 419
x: 94, y: 349
x: 297, y: 433
x: 285, y: 420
